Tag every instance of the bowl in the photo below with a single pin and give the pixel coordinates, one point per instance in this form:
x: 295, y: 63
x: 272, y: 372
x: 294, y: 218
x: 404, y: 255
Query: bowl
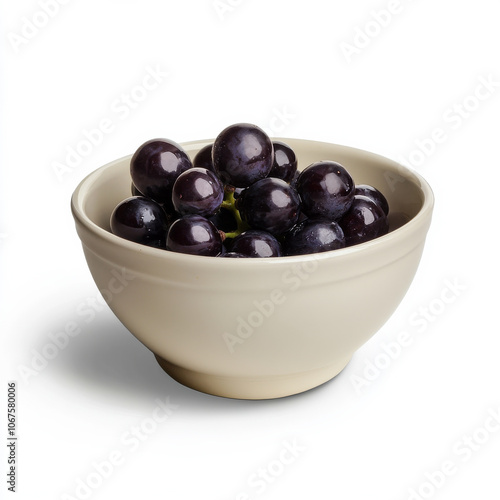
x: 257, y: 328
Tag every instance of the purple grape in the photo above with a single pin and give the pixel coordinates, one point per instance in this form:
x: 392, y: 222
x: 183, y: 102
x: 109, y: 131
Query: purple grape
x: 313, y: 236
x: 326, y: 190
x: 374, y: 194
x: 269, y: 204
x: 256, y: 243
x: 203, y: 158
x: 155, y: 166
x: 242, y: 154
x: 285, y: 162
x: 197, y: 191
x: 141, y: 220
x: 193, y: 234
x: 364, y: 221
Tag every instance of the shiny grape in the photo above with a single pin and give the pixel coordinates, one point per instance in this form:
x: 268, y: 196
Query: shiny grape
x: 364, y: 221
x: 326, y: 190
x: 269, y: 204
x: 242, y: 154
x: 155, y: 166
x: 195, y: 235
x: 141, y: 220
x: 197, y: 191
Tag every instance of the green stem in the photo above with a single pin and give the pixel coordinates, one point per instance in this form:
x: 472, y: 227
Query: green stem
x: 229, y: 203
x: 233, y: 234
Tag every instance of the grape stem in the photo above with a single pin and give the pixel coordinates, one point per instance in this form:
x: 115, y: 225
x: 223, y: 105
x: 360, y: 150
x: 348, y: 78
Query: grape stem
x: 229, y: 203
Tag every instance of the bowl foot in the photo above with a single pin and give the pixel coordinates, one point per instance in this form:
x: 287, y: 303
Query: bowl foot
x: 251, y: 387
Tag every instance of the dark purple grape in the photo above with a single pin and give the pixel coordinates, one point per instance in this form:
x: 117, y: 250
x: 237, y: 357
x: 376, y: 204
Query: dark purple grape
x: 155, y: 166
x: 141, y: 220
x: 374, y: 194
x: 197, y: 191
x: 313, y: 236
x: 193, y: 234
x: 242, y: 154
x: 256, y: 243
x: 364, y: 221
x: 224, y: 221
x: 269, y: 204
x: 326, y: 190
x: 285, y: 162
x: 203, y: 159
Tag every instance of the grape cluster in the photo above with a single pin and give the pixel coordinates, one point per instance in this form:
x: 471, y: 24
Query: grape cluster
x: 242, y: 196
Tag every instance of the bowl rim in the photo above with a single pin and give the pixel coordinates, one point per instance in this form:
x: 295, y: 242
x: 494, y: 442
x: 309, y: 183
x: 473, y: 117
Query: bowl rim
x: 80, y: 193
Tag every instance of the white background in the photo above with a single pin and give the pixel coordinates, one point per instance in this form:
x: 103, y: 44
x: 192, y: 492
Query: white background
x: 377, y: 433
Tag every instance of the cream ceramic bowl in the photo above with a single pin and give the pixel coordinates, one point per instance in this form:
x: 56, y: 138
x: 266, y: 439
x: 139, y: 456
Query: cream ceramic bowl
x: 257, y: 328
